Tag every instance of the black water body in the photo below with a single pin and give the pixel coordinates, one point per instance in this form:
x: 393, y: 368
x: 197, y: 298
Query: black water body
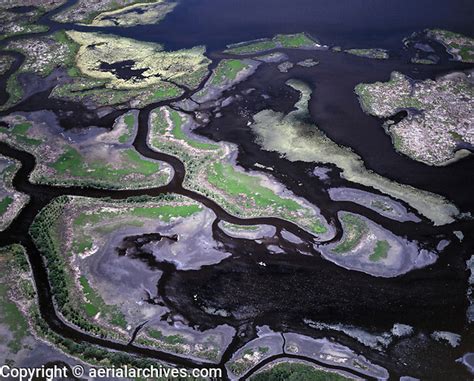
x: 70, y: 114
x: 335, y: 109
x: 348, y: 23
x: 123, y: 69
x: 41, y: 195
x: 293, y: 287
x: 22, y: 9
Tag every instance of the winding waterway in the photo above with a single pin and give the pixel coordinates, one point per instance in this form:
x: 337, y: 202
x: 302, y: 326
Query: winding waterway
x: 291, y: 286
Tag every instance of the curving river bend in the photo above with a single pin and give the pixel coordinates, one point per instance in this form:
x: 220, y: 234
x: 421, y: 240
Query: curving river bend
x: 441, y: 286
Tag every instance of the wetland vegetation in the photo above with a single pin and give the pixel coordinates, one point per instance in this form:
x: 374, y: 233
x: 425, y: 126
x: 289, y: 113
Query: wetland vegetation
x: 380, y: 54
x: 112, y: 265
x: 282, y: 41
x: 215, y: 176
x: 440, y: 114
x: 99, y: 160
x: 293, y: 371
x: 460, y: 46
x: 296, y: 140
x: 11, y: 201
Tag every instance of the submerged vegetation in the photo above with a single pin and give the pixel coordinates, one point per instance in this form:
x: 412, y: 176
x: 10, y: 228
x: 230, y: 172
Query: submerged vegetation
x: 106, y: 72
x: 297, y: 140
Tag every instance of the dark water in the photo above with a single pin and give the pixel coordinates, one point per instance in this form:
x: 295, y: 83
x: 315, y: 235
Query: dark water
x: 347, y: 23
x: 123, y: 69
x: 291, y: 288
x: 294, y: 287
x: 335, y: 109
x: 22, y: 9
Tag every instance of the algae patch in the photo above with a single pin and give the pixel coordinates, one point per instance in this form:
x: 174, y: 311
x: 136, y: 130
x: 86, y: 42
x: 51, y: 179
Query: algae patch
x: 137, y: 14
x: 296, y: 140
x: 183, y: 67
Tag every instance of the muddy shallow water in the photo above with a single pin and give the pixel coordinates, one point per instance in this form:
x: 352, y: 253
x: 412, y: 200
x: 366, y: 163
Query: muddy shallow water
x: 254, y: 286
